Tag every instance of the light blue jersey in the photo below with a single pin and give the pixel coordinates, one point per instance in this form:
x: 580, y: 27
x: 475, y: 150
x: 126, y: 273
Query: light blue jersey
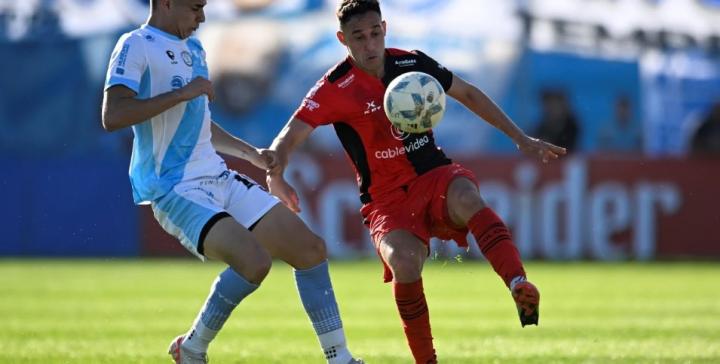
x: 173, y: 146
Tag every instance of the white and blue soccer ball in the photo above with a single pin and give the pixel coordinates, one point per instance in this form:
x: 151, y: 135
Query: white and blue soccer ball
x: 414, y: 102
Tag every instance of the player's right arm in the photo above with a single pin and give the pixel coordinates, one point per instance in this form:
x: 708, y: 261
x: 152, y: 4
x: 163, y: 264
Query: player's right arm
x: 480, y: 104
x: 293, y: 134
x: 127, y: 72
x: 319, y: 107
x: 121, y: 107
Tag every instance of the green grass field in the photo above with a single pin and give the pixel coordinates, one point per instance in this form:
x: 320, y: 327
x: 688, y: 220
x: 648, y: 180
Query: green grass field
x: 117, y: 311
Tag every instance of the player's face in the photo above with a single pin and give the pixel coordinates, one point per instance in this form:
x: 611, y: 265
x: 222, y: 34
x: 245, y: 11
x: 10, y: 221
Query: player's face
x: 364, y: 37
x: 187, y: 15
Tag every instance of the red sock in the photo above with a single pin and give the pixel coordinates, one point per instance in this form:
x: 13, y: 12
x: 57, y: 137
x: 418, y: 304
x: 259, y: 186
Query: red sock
x: 496, y: 244
x: 415, y: 317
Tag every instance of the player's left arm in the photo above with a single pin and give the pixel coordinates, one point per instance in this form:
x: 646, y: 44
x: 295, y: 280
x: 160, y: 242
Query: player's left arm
x: 226, y: 143
x: 480, y: 104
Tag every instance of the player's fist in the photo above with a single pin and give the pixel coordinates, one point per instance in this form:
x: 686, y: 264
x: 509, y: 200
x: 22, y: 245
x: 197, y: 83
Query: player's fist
x: 198, y: 86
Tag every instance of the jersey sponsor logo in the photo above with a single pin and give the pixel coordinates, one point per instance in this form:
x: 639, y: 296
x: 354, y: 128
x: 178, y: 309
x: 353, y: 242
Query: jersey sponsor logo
x: 398, y: 134
x: 394, y: 152
x: 371, y: 107
x: 311, y: 105
x: 406, y: 62
x: 177, y: 82
x: 171, y: 55
x: 346, y: 82
x: 122, y: 58
x: 187, y: 58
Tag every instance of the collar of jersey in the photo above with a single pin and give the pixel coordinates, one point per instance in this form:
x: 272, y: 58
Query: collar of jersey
x: 362, y: 72
x: 160, y: 32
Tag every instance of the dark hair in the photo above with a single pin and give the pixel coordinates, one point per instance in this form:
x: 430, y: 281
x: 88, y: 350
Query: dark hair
x: 349, y: 8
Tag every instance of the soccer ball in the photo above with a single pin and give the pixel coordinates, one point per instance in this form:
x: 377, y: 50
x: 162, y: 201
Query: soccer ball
x: 414, y: 102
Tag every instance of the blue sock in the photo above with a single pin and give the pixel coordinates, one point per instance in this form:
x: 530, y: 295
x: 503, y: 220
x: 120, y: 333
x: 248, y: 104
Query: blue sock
x: 228, y: 290
x: 318, y: 298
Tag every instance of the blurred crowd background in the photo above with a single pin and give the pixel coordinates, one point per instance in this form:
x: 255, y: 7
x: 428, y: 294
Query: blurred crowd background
x: 630, y: 87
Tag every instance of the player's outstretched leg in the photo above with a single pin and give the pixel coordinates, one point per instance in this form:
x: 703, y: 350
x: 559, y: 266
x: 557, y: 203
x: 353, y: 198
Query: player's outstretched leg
x: 227, y: 292
x: 496, y: 244
x: 229, y: 289
x: 318, y: 298
x: 248, y: 262
x: 283, y: 233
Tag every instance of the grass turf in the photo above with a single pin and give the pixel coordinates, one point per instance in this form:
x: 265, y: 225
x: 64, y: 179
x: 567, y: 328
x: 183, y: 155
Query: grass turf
x: 127, y: 311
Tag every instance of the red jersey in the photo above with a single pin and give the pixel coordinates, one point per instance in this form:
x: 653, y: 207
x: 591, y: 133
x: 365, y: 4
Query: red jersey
x: 350, y: 99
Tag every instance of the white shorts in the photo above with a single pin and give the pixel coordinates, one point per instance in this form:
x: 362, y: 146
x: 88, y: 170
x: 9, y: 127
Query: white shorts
x: 190, y: 209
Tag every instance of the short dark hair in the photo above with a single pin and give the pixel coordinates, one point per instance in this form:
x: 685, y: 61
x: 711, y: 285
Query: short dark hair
x: 349, y: 8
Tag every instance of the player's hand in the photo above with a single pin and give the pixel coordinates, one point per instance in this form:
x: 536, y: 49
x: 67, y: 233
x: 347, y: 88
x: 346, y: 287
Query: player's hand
x: 198, y: 86
x: 540, y: 149
x: 277, y: 168
x: 282, y: 190
x: 270, y: 157
x: 264, y: 159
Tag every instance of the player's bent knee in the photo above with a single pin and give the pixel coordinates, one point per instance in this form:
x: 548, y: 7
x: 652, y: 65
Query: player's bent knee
x: 254, y: 267
x: 470, y: 200
x: 464, y: 192
x: 317, y: 249
x: 258, y: 271
x: 405, y: 265
x: 312, y: 252
x: 248, y: 258
x: 463, y: 202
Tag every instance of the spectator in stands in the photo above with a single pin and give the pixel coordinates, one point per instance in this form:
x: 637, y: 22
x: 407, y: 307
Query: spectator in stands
x: 244, y: 70
x: 558, y: 124
x: 621, y: 134
x: 29, y: 20
x: 706, y: 139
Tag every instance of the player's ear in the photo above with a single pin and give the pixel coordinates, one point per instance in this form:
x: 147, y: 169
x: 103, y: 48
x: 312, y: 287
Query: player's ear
x: 384, y: 27
x: 341, y: 37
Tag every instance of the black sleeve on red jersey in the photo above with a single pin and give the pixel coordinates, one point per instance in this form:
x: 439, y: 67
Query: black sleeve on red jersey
x: 432, y: 67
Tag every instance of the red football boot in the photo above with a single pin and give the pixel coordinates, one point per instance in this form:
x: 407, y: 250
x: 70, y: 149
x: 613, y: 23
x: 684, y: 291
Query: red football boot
x: 527, y: 299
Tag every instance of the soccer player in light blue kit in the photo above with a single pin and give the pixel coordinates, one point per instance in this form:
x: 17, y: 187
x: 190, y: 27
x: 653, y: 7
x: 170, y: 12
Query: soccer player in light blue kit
x: 157, y: 83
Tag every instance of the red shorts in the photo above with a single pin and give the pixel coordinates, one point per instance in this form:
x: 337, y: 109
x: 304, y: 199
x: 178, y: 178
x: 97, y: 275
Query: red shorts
x: 420, y: 208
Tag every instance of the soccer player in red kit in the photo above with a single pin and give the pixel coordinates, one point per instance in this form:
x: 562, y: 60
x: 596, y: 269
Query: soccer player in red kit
x: 409, y: 189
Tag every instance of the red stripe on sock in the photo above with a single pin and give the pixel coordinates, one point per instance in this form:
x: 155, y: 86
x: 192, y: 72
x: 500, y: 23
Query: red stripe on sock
x: 412, y: 306
x: 496, y: 244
